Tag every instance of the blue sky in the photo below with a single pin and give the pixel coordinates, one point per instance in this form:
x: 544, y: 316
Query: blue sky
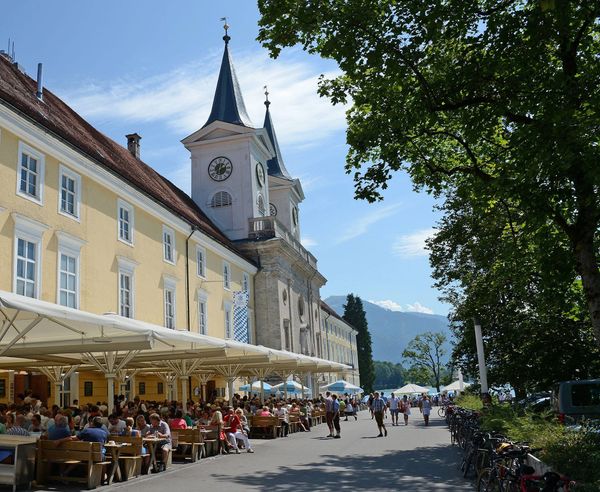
x: 151, y: 67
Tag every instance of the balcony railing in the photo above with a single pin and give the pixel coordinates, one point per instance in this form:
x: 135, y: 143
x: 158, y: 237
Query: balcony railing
x: 270, y: 227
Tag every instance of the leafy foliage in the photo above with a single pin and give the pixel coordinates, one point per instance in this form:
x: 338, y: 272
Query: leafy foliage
x: 494, y: 102
x: 426, y: 352
x: 388, y: 374
x: 354, y: 314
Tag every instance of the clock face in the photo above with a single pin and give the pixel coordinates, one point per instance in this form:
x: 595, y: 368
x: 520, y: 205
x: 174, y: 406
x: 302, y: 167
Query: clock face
x: 272, y: 209
x: 220, y: 168
x: 260, y: 174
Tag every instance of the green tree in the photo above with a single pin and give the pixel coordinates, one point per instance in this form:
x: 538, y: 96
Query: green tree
x: 426, y: 352
x: 534, y: 321
x: 388, y: 374
x: 482, y: 98
x: 354, y: 314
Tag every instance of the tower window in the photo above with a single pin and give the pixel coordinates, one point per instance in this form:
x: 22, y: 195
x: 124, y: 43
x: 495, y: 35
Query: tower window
x: 260, y: 202
x: 221, y: 199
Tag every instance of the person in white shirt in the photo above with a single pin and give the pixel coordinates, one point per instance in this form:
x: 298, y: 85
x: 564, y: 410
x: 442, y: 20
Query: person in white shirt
x: 394, y: 404
x: 282, y: 413
x: 116, y: 425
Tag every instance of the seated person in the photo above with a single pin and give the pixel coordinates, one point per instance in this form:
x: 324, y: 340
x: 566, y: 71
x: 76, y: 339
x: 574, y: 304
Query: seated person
x: 160, y: 429
x: 115, y: 425
x: 232, y: 419
x: 60, y: 431
x: 18, y: 427
x: 265, y: 412
x: 36, y: 424
x: 178, y: 421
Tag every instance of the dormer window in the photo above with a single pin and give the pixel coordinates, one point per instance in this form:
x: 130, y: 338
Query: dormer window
x: 221, y: 199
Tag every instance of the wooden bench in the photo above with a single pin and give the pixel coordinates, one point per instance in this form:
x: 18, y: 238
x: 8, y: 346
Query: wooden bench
x: 132, y: 457
x: 268, y: 426
x: 188, y: 443
x: 318, y: 416
x: 294, y: 422
x: 70, y: 454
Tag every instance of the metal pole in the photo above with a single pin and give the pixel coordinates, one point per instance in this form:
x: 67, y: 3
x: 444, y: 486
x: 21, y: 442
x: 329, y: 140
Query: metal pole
x: 480, y: 357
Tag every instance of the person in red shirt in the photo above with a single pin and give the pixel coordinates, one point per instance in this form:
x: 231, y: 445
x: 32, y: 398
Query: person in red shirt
x: 234, y: 432
x: 178, y: 422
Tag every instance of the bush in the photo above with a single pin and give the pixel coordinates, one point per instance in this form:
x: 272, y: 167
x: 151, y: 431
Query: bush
x: 471, y: 402
x: 574, y: 453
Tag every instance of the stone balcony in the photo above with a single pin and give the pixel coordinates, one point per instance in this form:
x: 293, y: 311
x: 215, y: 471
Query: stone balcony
x: 269, y: 227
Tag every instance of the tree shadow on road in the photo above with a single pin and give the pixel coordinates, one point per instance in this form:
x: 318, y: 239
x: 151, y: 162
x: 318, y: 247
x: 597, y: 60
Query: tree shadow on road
x: 423, y: 469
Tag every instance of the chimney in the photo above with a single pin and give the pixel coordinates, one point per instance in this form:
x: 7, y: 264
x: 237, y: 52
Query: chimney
x: 40, y: 88
x: 133, y: 144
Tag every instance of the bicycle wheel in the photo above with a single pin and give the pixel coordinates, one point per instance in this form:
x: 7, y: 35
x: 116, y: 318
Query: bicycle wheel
x: 442, y: 411
x: 488, y: 482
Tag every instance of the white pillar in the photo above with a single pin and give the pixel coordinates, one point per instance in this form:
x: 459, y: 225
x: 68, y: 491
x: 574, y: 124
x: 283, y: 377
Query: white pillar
x: 230, y: 389
x: 184, y: 391
x: 57, y: 391
x: 461, y: 384
x: 262, y: 392
x: 481, y: 357
x: 110, y: 385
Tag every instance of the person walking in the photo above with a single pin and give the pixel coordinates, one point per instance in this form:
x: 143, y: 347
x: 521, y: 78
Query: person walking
x: 378, y: 407
x: 329, y: 413
x: 370, y: 405
x: 405, y: 408
x: 394, y: 404
x: 336, y: 415
x: 425, y: 407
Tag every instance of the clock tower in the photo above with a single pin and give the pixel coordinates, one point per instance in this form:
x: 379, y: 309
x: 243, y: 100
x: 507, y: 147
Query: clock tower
x: 229, y: 159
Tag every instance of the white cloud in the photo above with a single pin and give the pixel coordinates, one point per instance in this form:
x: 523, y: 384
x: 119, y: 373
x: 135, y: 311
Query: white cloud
x: 308, y: 242
x: 183, y: 97
x: 388, y: 304
x: 417, y: 307
x: 361, y: 225
x: 412, y: 245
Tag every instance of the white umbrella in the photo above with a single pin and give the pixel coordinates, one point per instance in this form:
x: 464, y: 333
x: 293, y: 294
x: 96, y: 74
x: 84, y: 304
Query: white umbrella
x: 455, y: 386
x: 409, y: 389
x: 342, y: 386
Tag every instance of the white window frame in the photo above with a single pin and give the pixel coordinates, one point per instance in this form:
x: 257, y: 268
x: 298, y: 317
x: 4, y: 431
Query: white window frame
x: 246, y: 283
x: 202, y: 301
x: 170, y: 233
x: 126, y: 267
x: 32, y: 231
x: 65, y: 171
x: 226, y: 275
x: 71, y: 246
x: 201, y: 265
x: 170, y: 286
x: 228, y: 319
x: 41, y: 159
x: 121, y: 204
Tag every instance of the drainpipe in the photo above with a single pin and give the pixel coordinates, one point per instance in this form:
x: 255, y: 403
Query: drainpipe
x: 187, y: 278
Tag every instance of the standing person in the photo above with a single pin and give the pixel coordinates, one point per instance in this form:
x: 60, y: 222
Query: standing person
x: 336, y: 415
x: 284, y: 419
x: 425, y: 408
x: 378, y: 407
x: 394, y: 404
x: 405, y: 408
x: 329, y: 412
x: 370, y: 405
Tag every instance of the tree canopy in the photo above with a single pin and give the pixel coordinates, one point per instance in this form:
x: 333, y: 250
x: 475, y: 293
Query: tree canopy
x: 354, y: 314
x: 426, y: 352
x: 494, y: 99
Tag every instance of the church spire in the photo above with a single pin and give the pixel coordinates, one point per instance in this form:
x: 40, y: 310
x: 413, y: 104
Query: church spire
x: 275, y: 165
x: 228, y: 104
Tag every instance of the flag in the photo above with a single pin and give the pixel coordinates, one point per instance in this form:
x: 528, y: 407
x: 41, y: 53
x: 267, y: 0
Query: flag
x: 240, y: 316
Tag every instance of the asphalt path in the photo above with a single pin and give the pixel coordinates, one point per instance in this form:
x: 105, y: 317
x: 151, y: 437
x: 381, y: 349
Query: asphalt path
x: 414, y: 457
x: 410, y: 458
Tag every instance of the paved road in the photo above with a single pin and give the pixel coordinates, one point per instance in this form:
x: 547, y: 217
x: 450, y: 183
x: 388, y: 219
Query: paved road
x: 415, y: 458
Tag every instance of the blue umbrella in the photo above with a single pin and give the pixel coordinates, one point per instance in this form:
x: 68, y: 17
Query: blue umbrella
x: 255, y: 387
x: 342, y: 386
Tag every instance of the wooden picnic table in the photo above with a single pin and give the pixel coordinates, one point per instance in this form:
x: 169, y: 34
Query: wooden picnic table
x: 151, y: 443
x: 114, y: 449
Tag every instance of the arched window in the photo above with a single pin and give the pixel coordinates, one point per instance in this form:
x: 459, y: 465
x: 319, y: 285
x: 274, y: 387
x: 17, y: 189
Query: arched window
x: 260, y: 202
x: 221, y: 199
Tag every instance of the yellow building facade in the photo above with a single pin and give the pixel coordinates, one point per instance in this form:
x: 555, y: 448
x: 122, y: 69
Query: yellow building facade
x: 77, y: 234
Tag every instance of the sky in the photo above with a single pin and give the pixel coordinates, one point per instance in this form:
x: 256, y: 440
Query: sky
x: 151, y: 67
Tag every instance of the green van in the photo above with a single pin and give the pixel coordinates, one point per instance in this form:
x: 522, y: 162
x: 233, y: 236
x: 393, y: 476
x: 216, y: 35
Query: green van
x: 576, y: 400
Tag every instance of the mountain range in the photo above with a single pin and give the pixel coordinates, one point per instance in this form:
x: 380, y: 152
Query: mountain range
x: 391, y: 331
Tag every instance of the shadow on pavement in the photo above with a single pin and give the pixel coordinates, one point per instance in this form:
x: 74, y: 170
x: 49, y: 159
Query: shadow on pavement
x: 424, y: 469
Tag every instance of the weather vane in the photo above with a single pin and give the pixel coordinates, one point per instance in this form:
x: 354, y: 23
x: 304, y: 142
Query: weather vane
x: 226, y: 38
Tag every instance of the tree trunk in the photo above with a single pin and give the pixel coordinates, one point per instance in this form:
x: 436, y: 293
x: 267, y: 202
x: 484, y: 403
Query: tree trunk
x: 587, y: 265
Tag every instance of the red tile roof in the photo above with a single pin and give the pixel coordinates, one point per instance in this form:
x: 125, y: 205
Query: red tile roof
x: 17, y: 90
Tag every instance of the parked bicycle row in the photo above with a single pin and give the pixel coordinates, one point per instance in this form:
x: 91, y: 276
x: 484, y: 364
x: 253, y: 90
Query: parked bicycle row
x: 495, y: 462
